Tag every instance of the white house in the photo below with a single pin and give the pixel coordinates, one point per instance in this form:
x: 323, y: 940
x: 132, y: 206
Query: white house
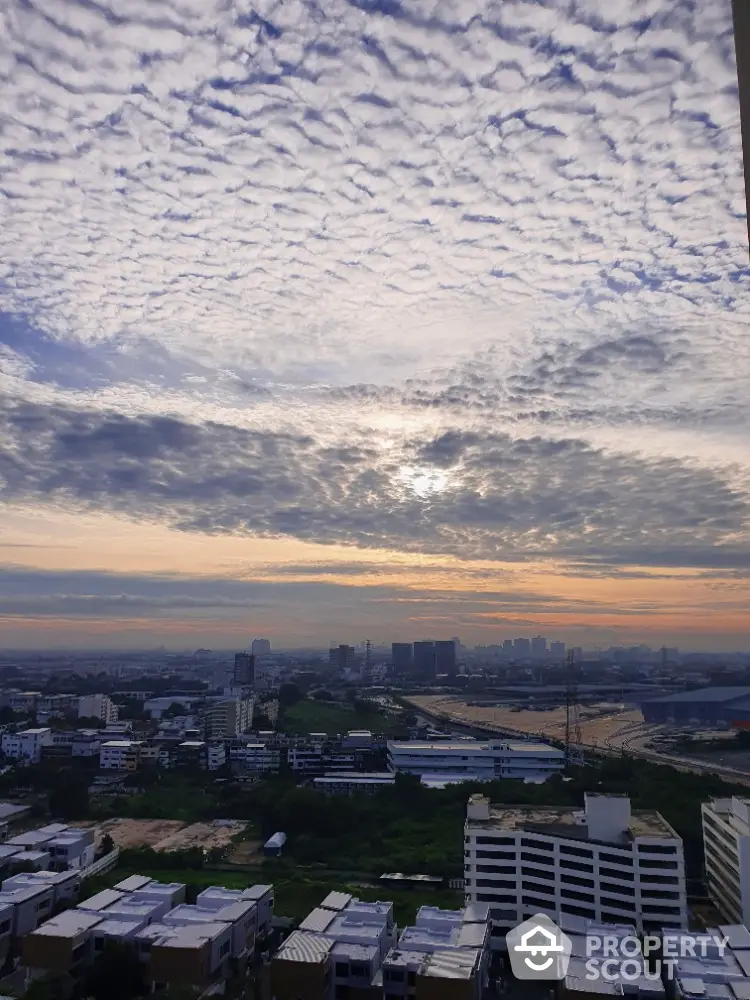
x: 26, y: 747
x: 726, y: 846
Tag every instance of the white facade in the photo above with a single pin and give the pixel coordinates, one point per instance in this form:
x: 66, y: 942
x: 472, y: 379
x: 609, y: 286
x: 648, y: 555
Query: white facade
x: 476, y: 759
x: 119, y: 755
x: 726, y: 845
x: 601, y: 863
x: 26, y: 747
x: 97, y: 706
x: 255, y: 758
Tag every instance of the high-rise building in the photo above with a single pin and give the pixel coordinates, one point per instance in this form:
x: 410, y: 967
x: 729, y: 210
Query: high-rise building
x: 602, y: 863
x: 726, y: 847
x: 341, y: 657
x: 228, y: 717
x: 261, y: 647
x: 424, y: 659
x: 538, y: 647
x: 244, y: 670
x: 522, y: 647
x: 402, y: 657
x: 445, y: 657
x: 97, y: 706
x: 507, y: 646
x: 557, y: 650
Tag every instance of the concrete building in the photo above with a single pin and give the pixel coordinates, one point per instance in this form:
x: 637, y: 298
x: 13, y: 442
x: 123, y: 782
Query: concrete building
x: 445, y: 657
x: 424, y: 659
x: 98, y: 706
x: 64, y: 944
x: 522, y: 648
x: 353, y: 782
x: 342, y: 658
x: 346, y: 948
x: 402, y: 658
x: 538, y: 647
x: 227, y: 718
x: 603, y: 863
x: 476, y: 759
x: 712, y: 707
x: 726, y: 846
x: 261, y: 647
x: 557, y: 650
x: 120, y: 755
x: 255, y: 758
x: 65, y: 846
x: 26, y: 747
x: 244, y: 670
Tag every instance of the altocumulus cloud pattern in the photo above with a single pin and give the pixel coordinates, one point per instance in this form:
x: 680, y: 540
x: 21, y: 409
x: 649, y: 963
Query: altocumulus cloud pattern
x: 414, y: 275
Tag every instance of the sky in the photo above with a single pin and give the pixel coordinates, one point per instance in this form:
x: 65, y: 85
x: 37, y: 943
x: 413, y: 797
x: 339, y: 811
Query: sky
x: 372, y: 319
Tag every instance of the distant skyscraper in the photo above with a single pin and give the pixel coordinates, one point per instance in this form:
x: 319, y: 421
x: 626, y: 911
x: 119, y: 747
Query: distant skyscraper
x: 244, y: 670
x: 445, y: 657
x: 261, y: 647
x: 538, y: 647
x: 522, y: 647
x: 507, y: 646
x: 342, y: 657
x: 557, y: 650
x: 424, y: 659
x: 402, y: 657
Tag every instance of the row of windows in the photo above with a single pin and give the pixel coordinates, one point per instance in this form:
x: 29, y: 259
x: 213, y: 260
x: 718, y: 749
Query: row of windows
x: 543, y: 846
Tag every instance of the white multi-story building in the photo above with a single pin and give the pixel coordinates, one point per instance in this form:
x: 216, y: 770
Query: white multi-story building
x: 603, y: 863
x: 120, y: 755
x: 98, y: 706
x: 726, y: 845
x: 255, y: 758
x: 26, y: 747
x: 476, y: 759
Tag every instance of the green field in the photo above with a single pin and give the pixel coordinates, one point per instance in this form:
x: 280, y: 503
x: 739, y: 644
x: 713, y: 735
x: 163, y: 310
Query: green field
x: 309, y: 716
x: 294, y: 896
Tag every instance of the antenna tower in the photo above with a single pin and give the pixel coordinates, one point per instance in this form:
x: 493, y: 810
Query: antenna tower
x: 573, y: 737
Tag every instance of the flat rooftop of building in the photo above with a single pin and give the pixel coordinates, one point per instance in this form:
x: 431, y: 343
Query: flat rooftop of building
x: 355, y: 952
x: 559, y: 821
x: 305, y: 947
x: 256, y: 891
x: 119, y: 927
x: 34, y: 857
x: 8, y: 810
x: 8, y: 850
x: 441, y: 746
x: 318, y: 920
x: 69, y: 923
x: 29, y: 839
x: 716, y: 695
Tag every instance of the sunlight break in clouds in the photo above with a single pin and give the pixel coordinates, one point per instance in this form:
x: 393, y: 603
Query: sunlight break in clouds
x: 458, y: 281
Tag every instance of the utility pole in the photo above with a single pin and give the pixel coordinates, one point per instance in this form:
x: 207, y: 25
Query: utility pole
x: 741, y: 16
x: 573, y: 736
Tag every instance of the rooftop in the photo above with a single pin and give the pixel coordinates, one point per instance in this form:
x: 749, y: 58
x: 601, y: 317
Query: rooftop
x: 8, y: 810
x: 101, y: 900
x: 133, y: 882
x: 451, y: 964
x: 558, y: 821
x: 458, y: 746
x: 119, y: 928
x: 69, y: 923
x: 713, y: 694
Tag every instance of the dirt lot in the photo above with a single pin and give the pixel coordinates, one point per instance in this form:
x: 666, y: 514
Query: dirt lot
x: 595, y: 731
x: 168, y: 835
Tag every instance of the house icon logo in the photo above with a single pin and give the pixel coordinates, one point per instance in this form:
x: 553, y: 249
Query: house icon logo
x: 538, y: 949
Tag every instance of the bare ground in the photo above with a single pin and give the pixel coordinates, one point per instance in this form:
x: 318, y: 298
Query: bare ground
x: 167, y: 835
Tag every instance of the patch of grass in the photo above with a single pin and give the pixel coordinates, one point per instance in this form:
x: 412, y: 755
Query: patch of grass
x: 294, y: 896
x: 310, y: 716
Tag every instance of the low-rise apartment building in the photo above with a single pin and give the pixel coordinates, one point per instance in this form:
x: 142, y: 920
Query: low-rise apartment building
x: 347, y: 948
x: 490, y: 760
x: 726, y: 846
x: 120, y: 755
x: 602, y: 863
x: 26, y: 746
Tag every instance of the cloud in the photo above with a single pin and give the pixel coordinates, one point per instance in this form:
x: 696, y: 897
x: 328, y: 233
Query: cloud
x: 472, y: 494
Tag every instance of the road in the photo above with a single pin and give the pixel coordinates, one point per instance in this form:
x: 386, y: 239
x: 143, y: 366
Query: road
x: 627, y: 741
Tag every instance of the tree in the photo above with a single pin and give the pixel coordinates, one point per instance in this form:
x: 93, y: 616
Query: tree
x: 323, y: 695
x: 107, y: 845
x: 288, y: 695
x: 69, y: 797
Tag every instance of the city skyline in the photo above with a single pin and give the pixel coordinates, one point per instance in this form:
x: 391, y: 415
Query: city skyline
x: 409, y: 318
